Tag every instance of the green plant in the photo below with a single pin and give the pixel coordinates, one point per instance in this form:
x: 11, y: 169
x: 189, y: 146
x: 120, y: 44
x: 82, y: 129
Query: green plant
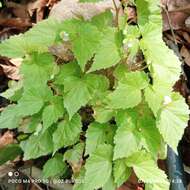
x: 123, y: 74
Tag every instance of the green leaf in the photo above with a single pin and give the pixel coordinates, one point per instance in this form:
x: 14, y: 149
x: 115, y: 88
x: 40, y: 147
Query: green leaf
x: 53, y: 112
x: 128, y: 92
x: 97, y: 134
x: 145, y: 167
x: 9, y: 152
x: 76, y: 96
x: 107, y: 45
x: 127, y: 139
x: 79, y: 180
x: 103, y: 114
x: 14, y: 92
x: 10, y: 117
x: 103, y: 20
x: 37, y: 69
x: 98, y: 167
x: 173, y: 119
x: 85, y: 39
x: 39, y: 38
x: 37, y: 145
x: 33, y: 100
x: 13, y: 47
x: 74, y: 155
x: 67, y: 132
x: 110, y: 185
x: 121, y: 172
x: 67, y: 70
x: 54, y: 167
x: 150, y: 134
x: 157, y: 186
x: 79, y: 91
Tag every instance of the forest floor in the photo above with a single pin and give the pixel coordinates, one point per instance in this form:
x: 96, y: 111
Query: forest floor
x: 18, y: 16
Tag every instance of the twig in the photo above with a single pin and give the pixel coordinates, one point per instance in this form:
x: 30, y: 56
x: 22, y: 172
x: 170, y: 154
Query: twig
x: 170, y: 24
x: 117, y: 14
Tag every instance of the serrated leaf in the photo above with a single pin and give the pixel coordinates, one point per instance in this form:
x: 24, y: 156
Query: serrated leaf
x: 54, y: 167
x: 10, y: 117
x: 13, y: 47
x: 98, y: 167
x: 121, y: 172
x: 144, y: 167
x: 74, y: 155
x: 79, y: 91
x: 172, y: 120
x: 85, y: 39
x: 126, y: 140
x: 37, y: 145
x: 67, y: 70
x: 97, y: 134
x: 33, y: 40
x: 150, y: 134
x: 33, y: 100
x: 14, y: 91
x: 128, y: 92
x: 37, y: 69
x: 67, y: 132
x: 103, y: 114
x: 9, y: 152
x: 53, y: 112
x: 103, y: 20
x: 107, y: 45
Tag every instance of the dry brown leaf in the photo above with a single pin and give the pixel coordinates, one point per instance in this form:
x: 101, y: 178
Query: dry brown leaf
x: 185, y: 54
x: 6, y: 138
x: 11, y: 68
x: 38, y: 7
x: 72, y: 9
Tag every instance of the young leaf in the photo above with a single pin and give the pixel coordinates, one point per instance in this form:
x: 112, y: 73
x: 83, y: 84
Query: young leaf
x: 9, y: 152
x: 107, y: 45
x: 37, y: 145
x: 98, y: 167
x: 85, y: 39
x: 96, y: 134
x: 67, y: 132
x: 54, y: 167
x: 172, y: 120
x: 144, y: 167
x: 53, y: 112
x: 128, y: 92
x: 121, y: 172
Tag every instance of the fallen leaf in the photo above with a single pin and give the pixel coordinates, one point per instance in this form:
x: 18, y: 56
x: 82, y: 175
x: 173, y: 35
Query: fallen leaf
x: 72, y: 9
x: 185, y: 54
x: 6, y: 138
x: 11, y: 68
